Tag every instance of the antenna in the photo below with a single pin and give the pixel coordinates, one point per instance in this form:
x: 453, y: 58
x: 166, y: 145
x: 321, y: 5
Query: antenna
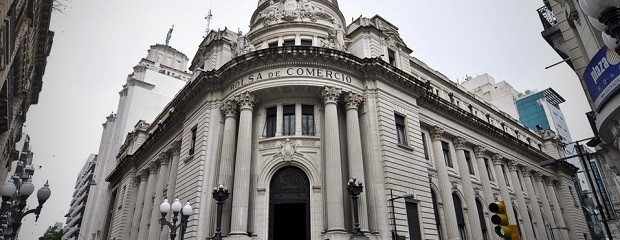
x: 208, y: 18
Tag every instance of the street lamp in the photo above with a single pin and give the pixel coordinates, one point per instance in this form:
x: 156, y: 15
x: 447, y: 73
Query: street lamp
x: 604, y: 16
x: 355, y: 188
x: 176, y: 207
x: 14, y: 203
x: 392, y: 198
x: 220, y: 194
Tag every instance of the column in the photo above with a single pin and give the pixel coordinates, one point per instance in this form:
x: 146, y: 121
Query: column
x: 487, y: 193
x: 241, y: 189
x: 154, y: 230
x: 546, y: 206
x: 333, y: 165
x: 298, y: 113
x: 172, y: 181
x: 468, y: 189
x: 227, y: 157
x: 503, y: 189
x: 553, y: 198
x: 148, y: 203
x: 561, y: 192
x: 529, y: 187
x: 527, y: 222
x: 354, y: 146
x: 137, y: 210
x: 445, y: 186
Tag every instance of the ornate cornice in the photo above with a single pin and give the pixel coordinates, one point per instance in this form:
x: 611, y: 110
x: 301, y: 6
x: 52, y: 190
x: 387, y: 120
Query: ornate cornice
x: 330, y: 94
x: 436, y: 132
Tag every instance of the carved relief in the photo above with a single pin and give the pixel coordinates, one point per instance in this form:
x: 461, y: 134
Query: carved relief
x: 290, y: 10
x: 287, y: 150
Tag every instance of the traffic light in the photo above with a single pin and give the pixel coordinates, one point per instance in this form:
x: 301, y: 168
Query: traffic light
x: 500, y: 219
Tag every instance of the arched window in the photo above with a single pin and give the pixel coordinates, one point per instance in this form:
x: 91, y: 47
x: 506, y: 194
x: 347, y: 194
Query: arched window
x: 460, y: 219
x: 436, y: 211
x: 483, y: 224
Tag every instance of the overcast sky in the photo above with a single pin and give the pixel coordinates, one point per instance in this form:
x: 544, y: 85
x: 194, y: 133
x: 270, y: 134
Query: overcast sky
x: 98, y: 42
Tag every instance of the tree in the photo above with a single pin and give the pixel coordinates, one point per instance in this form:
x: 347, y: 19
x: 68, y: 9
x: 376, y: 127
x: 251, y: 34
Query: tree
x: 52, y: 236
x: 60, y: 5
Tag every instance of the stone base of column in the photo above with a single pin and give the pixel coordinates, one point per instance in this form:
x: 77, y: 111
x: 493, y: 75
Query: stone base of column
x: 238, y: 237
x: 336, y: 235
x: 359, y: 238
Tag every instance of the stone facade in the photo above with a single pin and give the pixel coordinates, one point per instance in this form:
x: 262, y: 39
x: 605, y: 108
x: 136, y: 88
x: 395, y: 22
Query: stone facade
x: 78, y: 202
x: 285, y: 115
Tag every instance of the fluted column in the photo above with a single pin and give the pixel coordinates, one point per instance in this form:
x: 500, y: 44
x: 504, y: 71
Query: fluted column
x: 333, y: 164
x: 445, y: 187
x: 553, y: 198
x: 354, y: 146
x: 227, y: 158
x: 487, y: 192
x: 538, y: 177
x: 564, y: 204
x: 527, y: 222
x: 148, y: 203
x: 468, y: 189
x: 529, y: 187
x: 172, y: 181
x: 503, y: 188
x: 162, y: 178
x: 243, y: 160
x: 137, y: 210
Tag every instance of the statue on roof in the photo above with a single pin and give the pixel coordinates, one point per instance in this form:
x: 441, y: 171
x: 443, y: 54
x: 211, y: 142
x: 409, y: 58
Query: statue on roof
x: 169, y: 35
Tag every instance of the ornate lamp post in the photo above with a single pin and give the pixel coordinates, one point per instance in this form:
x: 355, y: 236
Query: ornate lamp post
x: 220, y: 194
x: 186, y: 211
x: 391, y: 200
x: 605, y: 16
x: 14, y: 203
x: 355, y: 188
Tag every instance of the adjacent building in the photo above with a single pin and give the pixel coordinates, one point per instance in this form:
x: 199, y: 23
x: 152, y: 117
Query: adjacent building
x: 83, y: 184
x: 25, y: 43
x: 285, y: 115
x: 155, y: 80
x: 501, y: 94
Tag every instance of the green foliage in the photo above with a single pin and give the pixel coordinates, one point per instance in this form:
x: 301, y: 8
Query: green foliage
x: 53, y: 236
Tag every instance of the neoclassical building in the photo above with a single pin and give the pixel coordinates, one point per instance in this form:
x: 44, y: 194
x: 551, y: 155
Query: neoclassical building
x: 286, y: 114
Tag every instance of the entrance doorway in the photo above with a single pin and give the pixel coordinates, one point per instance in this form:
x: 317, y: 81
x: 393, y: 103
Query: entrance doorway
x: 289, y: 205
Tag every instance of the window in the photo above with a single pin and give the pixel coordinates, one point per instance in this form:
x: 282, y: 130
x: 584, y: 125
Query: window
x: 192, y: 147
x: 270, y: 123
x: 483, y: 223
x: 460, y: 219
x: 288, y: 120
x: 413, y: 220
x: 488, y: 167
x: 400, y: 129
x: 307, y: 120
x: 436, y: 212
x: 287, y: 43
x: 273, y: 44
x: 424, y: 145
x: 391, y: 57
x: 445, y: 148
x: 306, y: 42
x: 505, y: 177
x: 470, y: 166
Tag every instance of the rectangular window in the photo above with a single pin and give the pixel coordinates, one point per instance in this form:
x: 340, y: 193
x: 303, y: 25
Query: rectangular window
x: 306, y: 42
x: 391, y: 57
x: 192, y: 147
x: 307, y: 120
x: 287, y: 43
x: 400, y: 129
x: 470, y: 166
x: 273, y: 44
x: 424, y: 145
x: 488, y: 167
x: 270, y: 122
x: 288, y: 120
x: 445, y: 148
x: 506, y: 177
x: 413, y: 220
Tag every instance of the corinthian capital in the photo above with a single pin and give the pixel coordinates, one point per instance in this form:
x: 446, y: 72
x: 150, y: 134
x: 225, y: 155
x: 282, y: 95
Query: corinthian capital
x: 436, y: 132
x: 513, y: 165
x: 526, y: 171
x: 330, y: 94
x: 497, y: 159
x: 479, y: 151
x: 459, y: 143
x: 538, y: 176
x: 352, y: 100
x: 246, y: 100
x: 229, y: 108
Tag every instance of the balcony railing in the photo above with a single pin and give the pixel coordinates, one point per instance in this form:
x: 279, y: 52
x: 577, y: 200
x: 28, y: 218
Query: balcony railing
x: 547, y: 17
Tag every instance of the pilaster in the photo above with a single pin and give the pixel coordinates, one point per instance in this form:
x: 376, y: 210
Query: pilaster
x: 527, y: 226
x: 487, y: 192
x: 503, y: 188
x: 468, y: 188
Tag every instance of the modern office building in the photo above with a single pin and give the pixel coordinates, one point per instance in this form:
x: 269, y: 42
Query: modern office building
x: 25, y: 43
x: 83, y: 184
x: 541, y: 110
x: 155, y: 80
x: 285, y: 115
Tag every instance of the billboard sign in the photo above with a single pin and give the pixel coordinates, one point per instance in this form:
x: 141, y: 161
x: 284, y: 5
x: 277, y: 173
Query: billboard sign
x: 602, y: 76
